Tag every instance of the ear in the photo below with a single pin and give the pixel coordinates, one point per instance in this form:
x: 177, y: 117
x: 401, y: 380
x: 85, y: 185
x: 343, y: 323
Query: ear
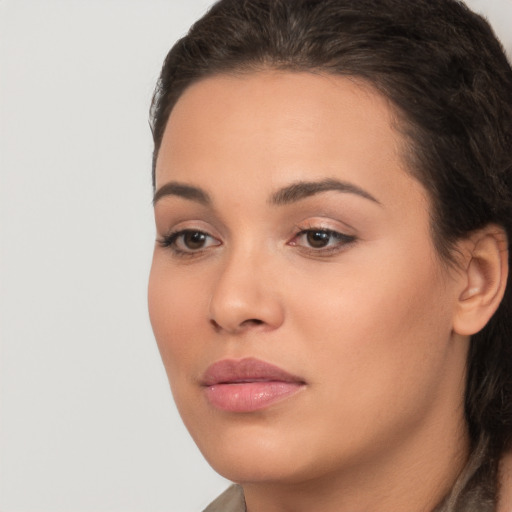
x: 484, y: 279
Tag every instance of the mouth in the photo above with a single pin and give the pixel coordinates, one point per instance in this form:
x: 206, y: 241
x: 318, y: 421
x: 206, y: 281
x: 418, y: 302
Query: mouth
x: 248, y: 385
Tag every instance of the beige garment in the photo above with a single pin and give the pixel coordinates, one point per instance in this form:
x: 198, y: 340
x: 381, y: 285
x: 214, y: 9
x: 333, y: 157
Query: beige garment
x: 231, y: 500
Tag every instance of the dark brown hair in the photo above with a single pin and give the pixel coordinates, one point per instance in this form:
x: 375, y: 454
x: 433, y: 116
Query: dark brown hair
x: 451, y: 84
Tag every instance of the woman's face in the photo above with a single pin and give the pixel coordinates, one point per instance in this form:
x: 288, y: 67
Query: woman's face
x: 300, y: 308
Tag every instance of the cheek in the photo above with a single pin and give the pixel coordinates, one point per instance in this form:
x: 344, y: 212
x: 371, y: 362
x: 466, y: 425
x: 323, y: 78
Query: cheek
x: 377, y: 344
x: 377, y: 325
x: 174, y: 314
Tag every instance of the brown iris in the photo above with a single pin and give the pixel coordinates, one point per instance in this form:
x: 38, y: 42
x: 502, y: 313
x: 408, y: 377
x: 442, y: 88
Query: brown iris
x: 194, y: 240
x: 318, y: 239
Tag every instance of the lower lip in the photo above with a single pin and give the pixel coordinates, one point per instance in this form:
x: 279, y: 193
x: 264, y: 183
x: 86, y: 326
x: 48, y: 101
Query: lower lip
x: 250, y: 396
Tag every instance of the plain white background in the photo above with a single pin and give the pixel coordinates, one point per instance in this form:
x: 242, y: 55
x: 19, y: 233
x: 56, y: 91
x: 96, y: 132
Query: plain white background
x: 87, y: 422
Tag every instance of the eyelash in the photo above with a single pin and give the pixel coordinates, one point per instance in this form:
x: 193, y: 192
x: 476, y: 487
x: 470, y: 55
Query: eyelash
x: 171, y: 241
x: 341, y: 241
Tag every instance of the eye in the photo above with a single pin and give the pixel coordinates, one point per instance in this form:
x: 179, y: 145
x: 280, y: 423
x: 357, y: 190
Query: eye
x: 188, y: 241
x: 318, y: 239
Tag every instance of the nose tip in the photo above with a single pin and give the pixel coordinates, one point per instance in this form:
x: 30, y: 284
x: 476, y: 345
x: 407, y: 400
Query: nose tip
x: 245, y: 299
x: 244, y: 315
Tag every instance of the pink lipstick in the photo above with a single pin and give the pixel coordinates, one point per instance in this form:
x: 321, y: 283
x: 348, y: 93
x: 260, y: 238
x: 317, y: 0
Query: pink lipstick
x: 247, y: 385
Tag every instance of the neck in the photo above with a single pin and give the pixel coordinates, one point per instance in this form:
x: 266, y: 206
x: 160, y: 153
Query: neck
x: 409, y: 474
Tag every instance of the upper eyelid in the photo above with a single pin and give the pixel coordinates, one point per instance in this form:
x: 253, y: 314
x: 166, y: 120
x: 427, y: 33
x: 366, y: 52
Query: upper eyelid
x: 170, y: 217
x: 212, y: 223
x: 187, y: 224
x: 325, y: 224
x: 174, y: 234
x: 322, y: 229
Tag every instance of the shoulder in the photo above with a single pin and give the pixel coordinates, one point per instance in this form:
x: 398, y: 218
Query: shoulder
x: 231, y: 500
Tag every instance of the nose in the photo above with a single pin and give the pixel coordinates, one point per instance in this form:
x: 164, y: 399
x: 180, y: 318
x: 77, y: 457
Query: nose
x: 246, y: 296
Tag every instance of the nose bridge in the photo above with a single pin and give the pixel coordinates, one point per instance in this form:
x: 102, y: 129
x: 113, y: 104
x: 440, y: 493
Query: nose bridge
x: 245, y: 293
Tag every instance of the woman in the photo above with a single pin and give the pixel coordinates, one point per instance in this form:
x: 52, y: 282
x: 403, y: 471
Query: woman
x: 329, y: 289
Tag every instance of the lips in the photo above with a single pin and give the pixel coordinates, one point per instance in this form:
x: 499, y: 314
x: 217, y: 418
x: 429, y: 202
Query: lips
x: 248, y: 385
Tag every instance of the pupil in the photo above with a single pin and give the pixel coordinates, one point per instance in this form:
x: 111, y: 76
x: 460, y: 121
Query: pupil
x: 194, y: 239
x: 318, y: 239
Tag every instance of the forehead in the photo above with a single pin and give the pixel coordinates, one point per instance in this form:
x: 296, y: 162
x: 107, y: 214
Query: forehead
x: 265, y: 129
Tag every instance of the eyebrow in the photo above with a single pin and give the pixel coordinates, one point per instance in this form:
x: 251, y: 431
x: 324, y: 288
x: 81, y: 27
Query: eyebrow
x: 176, y: 189
x: 286, y: 195
x: 302, y: 189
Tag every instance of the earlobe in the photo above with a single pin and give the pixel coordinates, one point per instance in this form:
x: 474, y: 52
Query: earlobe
x: 484, y: 279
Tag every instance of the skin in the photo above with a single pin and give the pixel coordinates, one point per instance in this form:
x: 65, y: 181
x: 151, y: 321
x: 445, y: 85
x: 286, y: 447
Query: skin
x: 367, y: 324
x: 505, y: 497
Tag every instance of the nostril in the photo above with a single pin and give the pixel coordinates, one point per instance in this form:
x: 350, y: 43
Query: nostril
x: 252, y: 321
x: 215, y: 325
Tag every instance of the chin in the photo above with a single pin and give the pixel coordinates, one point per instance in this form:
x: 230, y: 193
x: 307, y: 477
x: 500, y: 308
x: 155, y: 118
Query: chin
x: 259, y: 468
x: 259, y: 454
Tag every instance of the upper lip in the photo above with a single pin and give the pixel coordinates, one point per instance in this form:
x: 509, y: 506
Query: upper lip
x: 230, y: 371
